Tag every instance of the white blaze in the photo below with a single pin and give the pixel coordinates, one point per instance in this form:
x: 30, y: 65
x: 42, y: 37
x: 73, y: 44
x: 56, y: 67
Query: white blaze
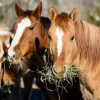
x: 19, y: 32
x: 59, y: 33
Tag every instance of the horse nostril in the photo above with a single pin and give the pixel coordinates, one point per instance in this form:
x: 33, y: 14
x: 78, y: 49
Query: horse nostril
x: 13, y: 56
x: 64, y: 70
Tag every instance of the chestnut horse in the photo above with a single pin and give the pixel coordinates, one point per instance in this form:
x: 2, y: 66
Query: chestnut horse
x: 27, y: 29
x: 75, y: 42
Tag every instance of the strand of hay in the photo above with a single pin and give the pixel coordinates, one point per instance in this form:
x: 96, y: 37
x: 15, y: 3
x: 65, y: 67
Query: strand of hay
x: 14, y: 61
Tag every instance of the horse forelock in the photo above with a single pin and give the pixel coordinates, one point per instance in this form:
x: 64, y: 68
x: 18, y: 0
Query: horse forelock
x: 27, y: 13
x: 88, y: 42
x: 62, y: 20
x: 63, y: 26
x: 45, y: 22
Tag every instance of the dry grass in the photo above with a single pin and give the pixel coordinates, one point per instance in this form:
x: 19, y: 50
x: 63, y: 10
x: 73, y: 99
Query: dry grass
x: 13, y: 61
x: 5, y: 87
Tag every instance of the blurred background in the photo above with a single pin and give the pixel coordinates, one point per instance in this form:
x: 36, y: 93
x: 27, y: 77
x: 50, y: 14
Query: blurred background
x: 87, y: 9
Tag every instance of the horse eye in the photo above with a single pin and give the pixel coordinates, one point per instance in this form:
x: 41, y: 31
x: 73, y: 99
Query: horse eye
x: 49, y: 37
x: 31, y: 28
x: 72, y: 38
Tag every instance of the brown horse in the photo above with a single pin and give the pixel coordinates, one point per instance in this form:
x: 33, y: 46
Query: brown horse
x: 27, y: 28
x: 76, y: 43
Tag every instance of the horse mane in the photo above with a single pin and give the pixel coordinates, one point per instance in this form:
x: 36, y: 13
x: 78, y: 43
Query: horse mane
x: 61, y: 21
x: 44, y: 25
x: 45, y: 22
x: 88, y: 41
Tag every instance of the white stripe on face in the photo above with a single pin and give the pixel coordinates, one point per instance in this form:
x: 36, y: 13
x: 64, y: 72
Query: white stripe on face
x: 19, y: 32
x: 59, y: 34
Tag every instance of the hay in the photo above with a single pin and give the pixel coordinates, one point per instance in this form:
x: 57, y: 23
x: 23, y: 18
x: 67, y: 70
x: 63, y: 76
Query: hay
x: 47, y: 74
x: 15, y: 62
x: 5, y: 87
x: 70, y: 74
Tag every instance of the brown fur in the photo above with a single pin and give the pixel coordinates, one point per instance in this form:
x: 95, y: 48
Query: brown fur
x: 82, y: 51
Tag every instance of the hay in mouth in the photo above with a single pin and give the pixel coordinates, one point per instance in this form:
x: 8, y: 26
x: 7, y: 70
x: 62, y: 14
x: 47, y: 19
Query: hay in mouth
x: 48, y: 73
x: 13, y: 61
x: 70, y: 74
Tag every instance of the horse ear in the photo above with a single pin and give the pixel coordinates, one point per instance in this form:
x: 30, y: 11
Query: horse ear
x: 53, y: 14
x: 73, y: 15
x: 19, y: 11
x: 37, y: 12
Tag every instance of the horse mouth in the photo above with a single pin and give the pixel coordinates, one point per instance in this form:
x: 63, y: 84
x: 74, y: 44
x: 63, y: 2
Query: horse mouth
x: 69, y: 73
x: 59, y: 75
